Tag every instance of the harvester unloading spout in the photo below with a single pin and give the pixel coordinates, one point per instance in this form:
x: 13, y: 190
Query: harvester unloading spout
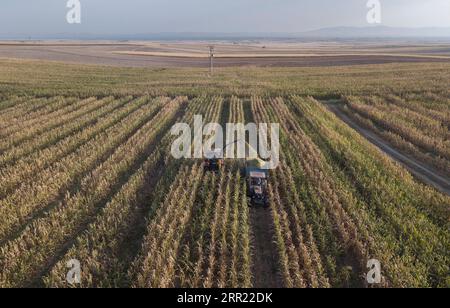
x: 256, y: 172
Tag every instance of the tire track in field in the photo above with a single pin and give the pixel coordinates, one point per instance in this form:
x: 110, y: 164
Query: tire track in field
x: 265, y: 263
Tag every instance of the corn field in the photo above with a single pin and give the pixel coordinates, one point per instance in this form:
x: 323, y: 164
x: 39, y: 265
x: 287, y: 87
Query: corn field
x: 93, y: 180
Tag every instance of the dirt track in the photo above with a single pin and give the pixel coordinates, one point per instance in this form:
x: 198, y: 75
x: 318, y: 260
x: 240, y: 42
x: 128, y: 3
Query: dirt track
x: 264, y: 251
x: 421, y: 171
x: 115, y: 54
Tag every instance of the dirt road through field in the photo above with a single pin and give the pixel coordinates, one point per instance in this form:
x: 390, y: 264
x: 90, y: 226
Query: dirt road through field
x: 418, y: 169
x: 264, y: 250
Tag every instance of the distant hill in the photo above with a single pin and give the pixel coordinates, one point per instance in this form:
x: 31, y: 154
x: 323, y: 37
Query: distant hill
x: 322, y: 34
x: 376, y: 31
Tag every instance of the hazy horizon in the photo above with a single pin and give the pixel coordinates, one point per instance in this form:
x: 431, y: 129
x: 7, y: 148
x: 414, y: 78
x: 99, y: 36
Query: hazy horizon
x: 115, y: 17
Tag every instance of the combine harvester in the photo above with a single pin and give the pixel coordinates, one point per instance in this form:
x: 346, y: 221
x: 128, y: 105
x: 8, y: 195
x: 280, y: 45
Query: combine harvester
x: 256, y: 176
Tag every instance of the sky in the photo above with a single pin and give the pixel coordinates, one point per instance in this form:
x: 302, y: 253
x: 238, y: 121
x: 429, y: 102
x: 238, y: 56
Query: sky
x: 228, y: 16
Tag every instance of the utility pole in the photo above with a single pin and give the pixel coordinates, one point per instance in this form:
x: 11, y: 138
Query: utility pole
x: 211, y: 59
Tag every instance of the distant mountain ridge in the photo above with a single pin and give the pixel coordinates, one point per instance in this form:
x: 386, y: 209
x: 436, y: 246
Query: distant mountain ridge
x: 376, y: 31
x: 324, y: 33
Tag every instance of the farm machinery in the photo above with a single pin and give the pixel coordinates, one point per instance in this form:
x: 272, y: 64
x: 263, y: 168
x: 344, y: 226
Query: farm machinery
x: 257, y: 178
x: 213, y: 161
x: 257, y: 185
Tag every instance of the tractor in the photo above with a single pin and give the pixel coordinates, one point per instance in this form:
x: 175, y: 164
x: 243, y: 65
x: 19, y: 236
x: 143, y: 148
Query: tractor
x: 257, y: 183
x: 257, y: 177
x: 213, y: 161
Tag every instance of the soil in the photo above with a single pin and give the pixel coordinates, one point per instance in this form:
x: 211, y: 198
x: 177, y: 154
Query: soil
x: 264, y: 250
x: 152, y: 54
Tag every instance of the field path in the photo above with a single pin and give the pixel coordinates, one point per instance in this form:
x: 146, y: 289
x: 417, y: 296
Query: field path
x: 420, y: 170
x: 265, y: 258
x: 265, y: 266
